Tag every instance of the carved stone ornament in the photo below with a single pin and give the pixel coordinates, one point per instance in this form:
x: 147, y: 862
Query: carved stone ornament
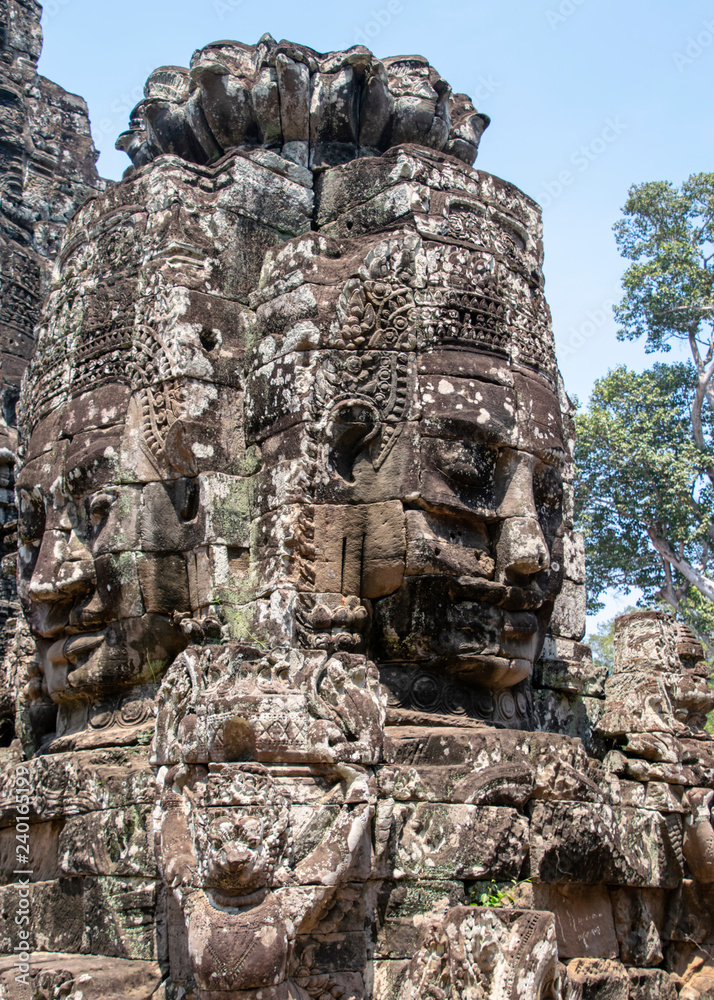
x: 306, y: 713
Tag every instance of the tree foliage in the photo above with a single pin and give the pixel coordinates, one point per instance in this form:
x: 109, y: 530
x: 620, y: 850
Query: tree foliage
x: 642, y: 480
x: 668, y: 234
x: 646, y: 446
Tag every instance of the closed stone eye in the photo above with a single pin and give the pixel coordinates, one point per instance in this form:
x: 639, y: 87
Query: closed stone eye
x: 548, y: 496
x: 31, y: 520
x: 464, y: 463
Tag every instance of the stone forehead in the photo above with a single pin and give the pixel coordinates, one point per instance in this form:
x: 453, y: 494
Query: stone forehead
x: 514, y: 409
x: 409, y: 292
x: 161, y: 277
x: 314, y: 387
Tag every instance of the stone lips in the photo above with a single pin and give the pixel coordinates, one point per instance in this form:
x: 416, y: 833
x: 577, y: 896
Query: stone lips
x: 317, y: 110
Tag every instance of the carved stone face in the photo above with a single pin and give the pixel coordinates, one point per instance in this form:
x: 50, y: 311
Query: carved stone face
x: 239, y: 829
x: 234, y: 850
x: 484, y: 533
x: 338, y: 441
x: 426, y: 446
x: 98, y: 591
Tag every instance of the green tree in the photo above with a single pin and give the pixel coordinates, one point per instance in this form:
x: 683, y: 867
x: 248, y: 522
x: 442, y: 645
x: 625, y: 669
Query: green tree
x: 645, y: 452
x: 602, y: 640
x: 641, y: 479
x: 668, y: 235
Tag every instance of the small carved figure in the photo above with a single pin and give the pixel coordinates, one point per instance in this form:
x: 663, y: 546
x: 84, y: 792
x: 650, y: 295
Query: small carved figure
x: 225, y: 837
x: 699, y: 834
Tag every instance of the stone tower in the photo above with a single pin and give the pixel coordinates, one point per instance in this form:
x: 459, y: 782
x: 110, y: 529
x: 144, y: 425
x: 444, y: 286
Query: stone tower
x: 296, y: 551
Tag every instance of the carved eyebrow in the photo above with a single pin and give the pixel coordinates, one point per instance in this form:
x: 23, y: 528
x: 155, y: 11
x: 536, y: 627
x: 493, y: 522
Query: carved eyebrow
x: 557, y: 457
x: 544, y: 443
x: 86, y: 479
x: 489, y: 429
x: 30, y: 490
x: 110, y: 489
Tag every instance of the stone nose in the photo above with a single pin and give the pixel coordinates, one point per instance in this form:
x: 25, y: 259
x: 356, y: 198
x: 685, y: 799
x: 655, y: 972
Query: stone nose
x: 236, y: 854
x: 64, y: 568
x: 521, y: 548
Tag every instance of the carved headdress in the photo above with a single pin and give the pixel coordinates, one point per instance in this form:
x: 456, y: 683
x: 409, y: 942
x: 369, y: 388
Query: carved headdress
x: 317, y: 110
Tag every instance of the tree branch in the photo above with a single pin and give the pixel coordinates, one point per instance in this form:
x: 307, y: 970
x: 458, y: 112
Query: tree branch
x: 704, y: 585
x: 702, y: 391
x: 667, y: 593
x: 694, y: 348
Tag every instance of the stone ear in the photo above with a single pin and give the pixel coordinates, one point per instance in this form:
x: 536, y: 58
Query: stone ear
x: 351, y: 428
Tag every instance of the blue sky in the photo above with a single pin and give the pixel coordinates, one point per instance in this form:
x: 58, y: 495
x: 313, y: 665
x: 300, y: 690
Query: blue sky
x: 586, y: 98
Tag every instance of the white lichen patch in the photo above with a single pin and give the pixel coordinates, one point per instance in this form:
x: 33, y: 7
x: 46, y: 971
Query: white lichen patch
x: 220, y: 564
x: 198, y: 398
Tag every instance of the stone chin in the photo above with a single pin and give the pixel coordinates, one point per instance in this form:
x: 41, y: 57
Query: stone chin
x: 89, y: 666
x: 475, y: 642
x: 480, y: 670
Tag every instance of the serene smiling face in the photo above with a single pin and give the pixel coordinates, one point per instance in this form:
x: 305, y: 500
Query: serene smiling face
x: 98, y: 595
x: 484, y: 533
